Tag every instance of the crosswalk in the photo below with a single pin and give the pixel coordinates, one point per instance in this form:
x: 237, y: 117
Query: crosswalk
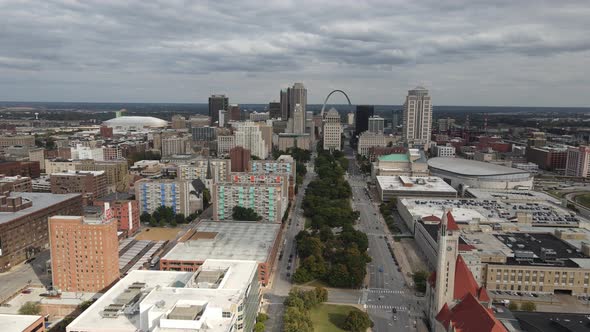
x: 385, y: 291
x: 386, y: 307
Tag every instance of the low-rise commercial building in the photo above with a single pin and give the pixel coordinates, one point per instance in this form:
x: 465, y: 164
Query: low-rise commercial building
x: 15, y: 183
x: 221, y: 296
x: 22, y: 323
x: 23, y: 223
x: 368, y: 140
x: 23, y: 140
x: 444, y: 151
x: 124, y: 208
x: 411, y: 163
x: 84, y: 252
x: 30, y: 169
x: 405, y: 186
x: 244, y: 241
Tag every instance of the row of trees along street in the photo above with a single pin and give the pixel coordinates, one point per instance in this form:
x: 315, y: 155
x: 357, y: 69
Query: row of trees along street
x: 331, y: 250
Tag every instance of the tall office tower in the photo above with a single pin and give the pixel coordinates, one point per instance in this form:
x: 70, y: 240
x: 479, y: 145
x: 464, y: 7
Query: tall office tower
x: 363, y: 113
x: 298, y: 117
x: 240, y: 159
x: 284, y: 104
x: 350, y: 119
x: 176, y: 145
x: 222, y: 118
x: 249, y: 136
x: 216, y: 103
x: 234, y: 112
x: 376, y: 124
x: 297, y: 95
x: 417, y: 118
x: 274, y: 110
x: 84, y: 252
x: 578, y: 161
x: 332, y: 130
x: 178, y: 122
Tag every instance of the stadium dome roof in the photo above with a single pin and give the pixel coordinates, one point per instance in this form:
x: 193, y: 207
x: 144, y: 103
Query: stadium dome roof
x: 136, y: 121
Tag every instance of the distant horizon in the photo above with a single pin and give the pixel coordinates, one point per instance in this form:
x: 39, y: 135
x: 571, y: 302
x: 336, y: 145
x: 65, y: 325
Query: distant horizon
x: 265, y: 104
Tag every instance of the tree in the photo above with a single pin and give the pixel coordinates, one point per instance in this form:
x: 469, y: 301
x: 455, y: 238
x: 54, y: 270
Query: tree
x: 30, y: 308
x: 321, y: 294
x: 153, y: 221
x: 357, y: 321
x: 245, y: 214
x: 297, y: 320
x: 302, y: 275
x: 179, y: 218
x: 420, y: 280
x: 293, y: 300
x: 261, y: 317
x: 513, y: 306
x: 259, y: 327
x: 528, y: 306
x: 145, y: 218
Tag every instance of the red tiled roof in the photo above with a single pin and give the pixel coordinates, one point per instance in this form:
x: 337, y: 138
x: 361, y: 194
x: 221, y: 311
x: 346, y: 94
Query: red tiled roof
x: 451, y: 224
x: 464, y: 280
x: 482, y: 295
x: 431, y: 218
x: 444, y: 316
x: 469, y: 316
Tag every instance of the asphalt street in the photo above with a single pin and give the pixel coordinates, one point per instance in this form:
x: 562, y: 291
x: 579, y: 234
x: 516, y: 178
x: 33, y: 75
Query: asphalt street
x: 388, y: 300
x: 281, y: 282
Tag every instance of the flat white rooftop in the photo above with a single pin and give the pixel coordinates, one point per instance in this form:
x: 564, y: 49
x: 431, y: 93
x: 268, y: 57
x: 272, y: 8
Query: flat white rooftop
x: 227, y: 240
x: 414, y: 184
x: 217, y: 285
x: 512, y: 195
x: 17, y: 323
x: 492, y: 211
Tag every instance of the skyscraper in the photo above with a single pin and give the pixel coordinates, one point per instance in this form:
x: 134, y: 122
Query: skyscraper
x: 274, y: 110
x: 216, y: 103
x: 235, y: 114
x: 297, y: 95
x: 376, y: 124
x: 284, y: 104
x: 332, y: 130
x: 363, y: 113
x: 298, y: 119
x: 417, y: 118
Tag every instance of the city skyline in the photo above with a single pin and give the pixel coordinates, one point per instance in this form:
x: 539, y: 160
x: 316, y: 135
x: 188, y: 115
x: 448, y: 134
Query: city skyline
x: 148, y: 52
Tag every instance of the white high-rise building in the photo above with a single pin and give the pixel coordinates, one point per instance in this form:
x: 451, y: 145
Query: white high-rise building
x: 376, y: 124
x: 249, y: 136
x: 298, y: 120
x: 350, y: 119
x: 332, y: 130
x: 417, y: 118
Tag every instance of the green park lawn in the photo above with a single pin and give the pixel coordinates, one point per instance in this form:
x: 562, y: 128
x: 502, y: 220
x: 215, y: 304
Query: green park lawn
x: 584, y: 199
x: 329, y: 317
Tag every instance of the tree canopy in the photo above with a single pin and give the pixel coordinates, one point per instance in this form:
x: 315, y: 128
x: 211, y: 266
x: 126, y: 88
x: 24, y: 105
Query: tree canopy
x: 245, y: 214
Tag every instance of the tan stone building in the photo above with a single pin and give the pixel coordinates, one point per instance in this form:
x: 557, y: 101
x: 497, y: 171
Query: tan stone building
x: 91, y: 184
x: 84, y: 253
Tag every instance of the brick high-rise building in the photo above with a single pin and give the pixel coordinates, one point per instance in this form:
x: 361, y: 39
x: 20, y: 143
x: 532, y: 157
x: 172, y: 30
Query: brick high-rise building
x: 235, y: 114
x: 84, y: 253
x: 91, y: 185
x: 578, y: 161
x: 240, y: 159
x: 106, y: 132
x: 124, y: 209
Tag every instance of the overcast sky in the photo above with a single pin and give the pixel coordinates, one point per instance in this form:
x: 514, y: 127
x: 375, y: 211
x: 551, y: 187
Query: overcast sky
x: 467, y: 52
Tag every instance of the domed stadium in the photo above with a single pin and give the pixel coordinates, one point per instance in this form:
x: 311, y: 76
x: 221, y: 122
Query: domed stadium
x: 135, y: 123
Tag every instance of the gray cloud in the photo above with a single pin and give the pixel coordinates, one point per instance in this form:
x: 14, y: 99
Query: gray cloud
x: 241, y: 46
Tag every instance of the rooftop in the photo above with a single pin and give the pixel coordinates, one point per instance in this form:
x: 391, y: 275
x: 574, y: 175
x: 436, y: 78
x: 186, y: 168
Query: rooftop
x: 539, y: 249
x: 17, y: 322
x: 414, y: 184
x: 117, y: 197
x: 40, y: 201
x: 490, y: 211
x: 227, y: 240
x: 170, y: 296
x: 471, y: 167
x: 399, y: 157
x: 553, y: 321
x: 511, y: 195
